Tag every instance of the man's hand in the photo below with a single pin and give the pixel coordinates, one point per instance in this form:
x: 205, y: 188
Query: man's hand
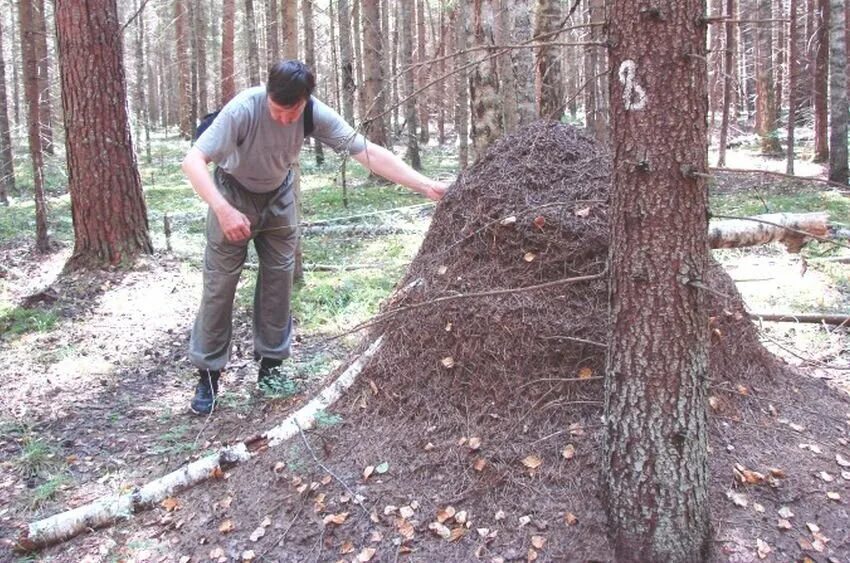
x: 234, y: 224
x: 436, y: 190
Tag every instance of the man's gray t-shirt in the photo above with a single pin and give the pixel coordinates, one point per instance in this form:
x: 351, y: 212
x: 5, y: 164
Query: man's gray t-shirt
x: 257, y: 151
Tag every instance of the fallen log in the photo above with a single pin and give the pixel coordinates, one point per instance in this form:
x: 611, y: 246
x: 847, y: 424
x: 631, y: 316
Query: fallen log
x: 838, y: 320
x: 106, y: 511
x: 793, y: 230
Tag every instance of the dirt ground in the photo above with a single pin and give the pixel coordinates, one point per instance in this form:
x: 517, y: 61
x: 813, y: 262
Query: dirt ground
x: 110, y: 385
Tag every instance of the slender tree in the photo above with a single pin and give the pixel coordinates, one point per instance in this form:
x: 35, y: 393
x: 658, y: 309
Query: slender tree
x: 766, y: 119
x: 729, y: 66
x: 251, y: 45
x: 408, y: 30
x: 194, y: 92
x: 504, y: 36
x: 820, y: 87
x: 29, y: 52
x: 523, y: 62
x: 358, y: 60
x: 423, y: 76
x: 310, y: 60
x: 141, y: 105
x: 485, y: 98
x: 184, y: 71
x: 228, y: 82
x: 837, y: 92
x: 549, y: 81
x: 45, y: 112
x: 346, y: 60
x: 110, y: 220
x: 289, y: 28
x: 373, y: 75
x: 792, y: 86
x: 7, y: 166
x: 655, y: 462
x: 459, y: 13
x: 16, y: 56
x: 200, y: 33
x: 272, y: 32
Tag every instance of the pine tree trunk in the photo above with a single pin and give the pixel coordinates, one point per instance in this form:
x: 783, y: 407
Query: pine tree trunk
x: 389, y: 53
x: 29, y: 55
x: 655, y: 467
x: 310, y: 61
x: 523, y: 62
x: 346, y: 59
x: 778, y: 45
x: 110, y: 220
x: 142, y: 117
x: 793, y: 66
x: 765, y: 86
x: 484, y: 94
x: 548, y: 73
x: 228, y: 81
x: 407, y: 31
x: 357, y: 38
x: 820, y: 88
x: 837, y: 92
x: 442, y: 91
x: 504, y: 36
x: 252, y: 45
x: 597, y: 73
x: 289, y: 28
x: 7, y: 166
x: 45, y: 113
x: 393, y: 86
x: 460, y: 13
x: 184, y: 83
x: 16, y: 49
x: 201, y: 56
x: 728, y: 76
x: 423, y: 75
x: 373, y: 75
x: 193, y: 67
x: 272, y: 32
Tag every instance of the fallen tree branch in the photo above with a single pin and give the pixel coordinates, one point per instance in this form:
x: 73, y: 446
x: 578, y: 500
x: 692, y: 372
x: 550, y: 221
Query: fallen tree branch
x: 357, y: 230
x: 106, y: 511
x: 802, y: 318
x: 779, y: 175
x: 792, y: 230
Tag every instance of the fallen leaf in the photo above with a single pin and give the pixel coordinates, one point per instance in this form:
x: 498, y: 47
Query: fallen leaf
x: 184, y: 559
x: 783, y: 524
x: 217, y: 473
x: 752, y: 477
x: 170, y: 504
x: 538, y: 541
x: 390, y: 509
x: 376, y: 537
x: 833, y: 496
x: 742, y: 390
x: 479, y: 464
x: 762, y: 548
x: 248, y: 555
x: 346, y: 548
x: 757, y: 507
x: 335, y: 518
x: 474, y: 443
x: 441, y: 530
x: 524, y: 520
x: 462, y: 441
x: 818, y: 546
x: 529, y: 256
x: 713, y: 402
x: 797, y: 427
x: 814, y: 448
x: 845, y: 475
x: 500, y: 515
x: 226, y: 526
x: 406, y: 529
x: 843, y: 462
x: 738, y: 499
x: 461, y: 516
x: 532, y: 555
x: 570, y: 519
x: 382, y: 468
x: 583, y: 212
x: 279, y: 467
x: 510, y: 220
x: 428, y: 447
x: 576, y: 429
x: 804, y: 544
x: 483, y: 532
x: 216, y: 553
x: 266, y: 522
x: 539, y: 221
x: 776, y: 472
x: 366, y: 554
x: 406, y: 511
x: 445, y: 513
x: 448, y: 362
x: 368, y: 471
x: 826, y: 476
x: 569, y: 451
x: 585, y: 373
x: 456, y: 534
x: 812, y: 527
x: 448, y: 327
x: 442, y: 270
x: 532, y: 462
x: 257, y: 534
x: 785, y: 512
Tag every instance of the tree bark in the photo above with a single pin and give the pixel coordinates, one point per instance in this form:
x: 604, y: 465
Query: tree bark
x: 373, y: 76
x: 45, y: 112
x: 141, y: 104
x: 728, y: 76
x: 423, y: 76
x: 765, y: 86
x: 272, y: 32
x: 597, y: 75
x: 837, y: 93
x: 792, y: 230
x: 821, y: 83
x: 655, y: 462
x: 504, y: 36
x: 407, y: 31
x: 289, y: 28
x: 192, y: 58
x: 485, y: 98
x: 251, y: 44
x: 228, y: 82
x: 108, y: 208
x: 459, y: 13
x: 7, y: 165
x: 362, y: 106
x: 200, y: 32
x: 183, y: 54
x: 346, y: 61
x: 549, y: 81
x: 310, y: 61
x: 523, y: 61
x: 793, y: 70
x: 29, y: 55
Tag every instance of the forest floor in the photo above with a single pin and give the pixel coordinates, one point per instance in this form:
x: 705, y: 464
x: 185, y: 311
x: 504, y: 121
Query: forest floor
x: 97, y: 387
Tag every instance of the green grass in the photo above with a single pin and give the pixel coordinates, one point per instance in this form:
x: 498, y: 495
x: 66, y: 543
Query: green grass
x: 37, y: 456
x: 175, y: 441
x: 48, y: 490
x: 326, y: 419
x: 18, y: 320
x: 837, y: 205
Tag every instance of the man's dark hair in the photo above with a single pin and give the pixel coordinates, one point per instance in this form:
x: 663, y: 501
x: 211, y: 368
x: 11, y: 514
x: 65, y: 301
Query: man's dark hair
x: 290, y: 82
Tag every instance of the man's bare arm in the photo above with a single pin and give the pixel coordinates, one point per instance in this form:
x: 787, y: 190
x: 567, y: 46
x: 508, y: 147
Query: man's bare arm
x: 384, y: 163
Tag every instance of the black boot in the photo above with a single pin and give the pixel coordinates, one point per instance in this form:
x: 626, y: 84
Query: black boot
x: 206, y: 392
x: 269, y: 370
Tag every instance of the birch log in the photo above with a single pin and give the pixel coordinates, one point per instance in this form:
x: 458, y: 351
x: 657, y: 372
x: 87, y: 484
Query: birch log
x: 792, y: 230
x: 106, y: 511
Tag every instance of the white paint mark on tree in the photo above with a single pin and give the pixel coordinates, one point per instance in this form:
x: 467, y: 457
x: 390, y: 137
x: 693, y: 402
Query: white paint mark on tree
x: 634, y: 95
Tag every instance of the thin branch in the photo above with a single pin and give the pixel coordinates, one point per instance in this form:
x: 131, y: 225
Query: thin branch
x: 778, y: 174
x: 134, y: 16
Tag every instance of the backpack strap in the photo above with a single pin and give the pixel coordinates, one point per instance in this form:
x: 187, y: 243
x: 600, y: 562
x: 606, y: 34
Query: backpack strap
x: 205, y: 122
x: 308, y: 118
